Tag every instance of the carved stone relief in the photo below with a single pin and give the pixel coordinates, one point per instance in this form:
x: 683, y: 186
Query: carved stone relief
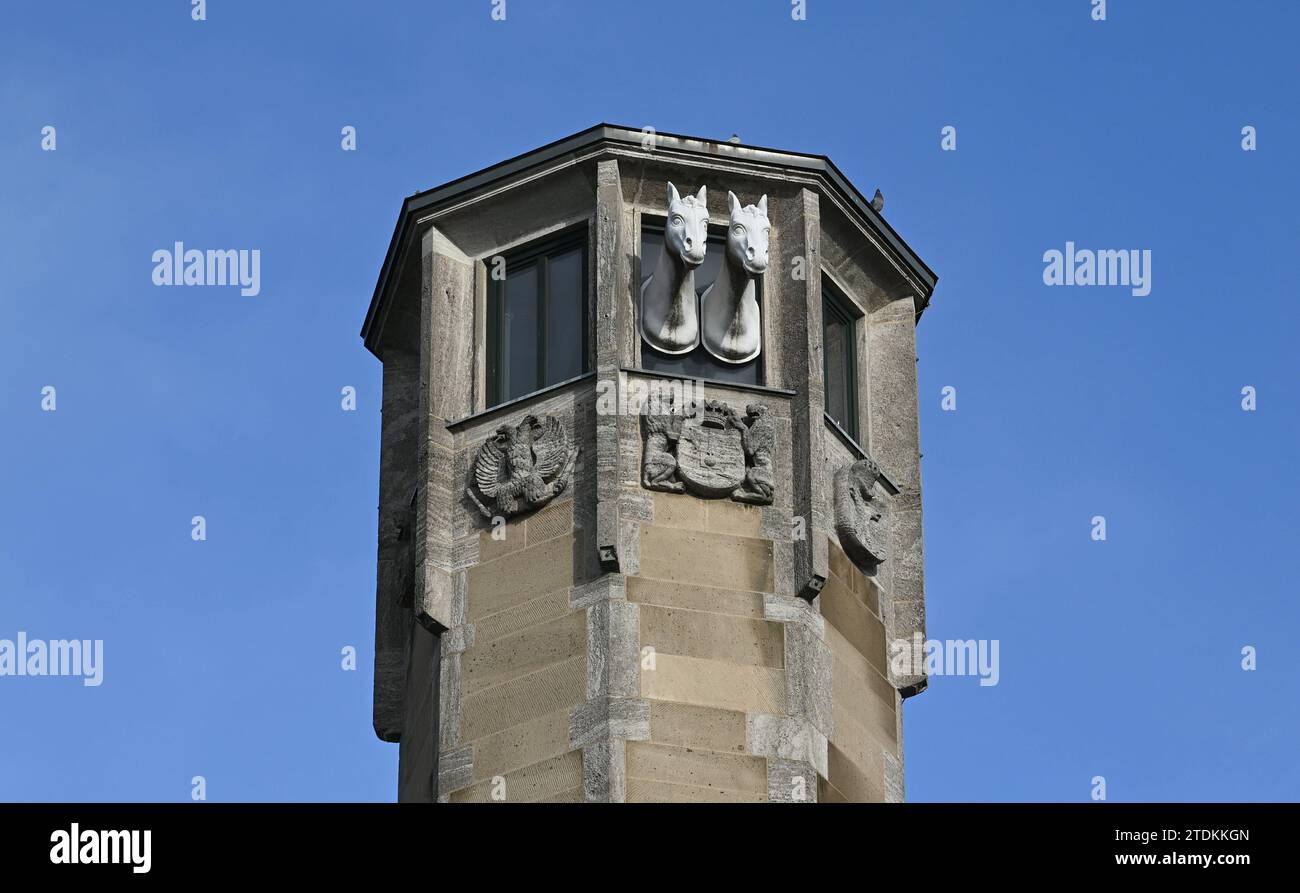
x: 732, y: 330
x: 861, y: 515
x: 669, y: 307
x: 710, y: 450
x: 521, y: 467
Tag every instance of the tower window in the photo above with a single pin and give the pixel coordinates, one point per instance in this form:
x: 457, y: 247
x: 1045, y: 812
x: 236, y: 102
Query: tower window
x: 536, y: 317
x: 839, y: 358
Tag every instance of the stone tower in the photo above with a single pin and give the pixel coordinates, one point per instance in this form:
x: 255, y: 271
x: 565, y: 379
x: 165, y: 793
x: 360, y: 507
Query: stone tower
x: 650, y: 493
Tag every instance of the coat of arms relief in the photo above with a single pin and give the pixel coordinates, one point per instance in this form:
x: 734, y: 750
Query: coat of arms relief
x: 708, y: 449
x: 861, y: 515
x: 521, y: 467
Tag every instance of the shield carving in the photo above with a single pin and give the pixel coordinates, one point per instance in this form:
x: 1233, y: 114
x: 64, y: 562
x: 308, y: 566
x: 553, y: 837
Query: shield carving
x: 711, y: 453
x: 862, y: 515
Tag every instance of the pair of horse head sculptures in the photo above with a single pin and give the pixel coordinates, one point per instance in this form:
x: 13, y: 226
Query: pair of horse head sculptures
x: 726, y: 317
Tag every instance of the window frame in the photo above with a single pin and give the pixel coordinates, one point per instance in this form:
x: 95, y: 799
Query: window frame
x: 539, y: 252
x: 837, y: 305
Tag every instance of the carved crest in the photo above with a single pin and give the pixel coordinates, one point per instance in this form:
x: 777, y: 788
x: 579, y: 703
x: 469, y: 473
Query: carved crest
x: 861, y: 516
x: 711, y: 451
x: 759, y: 438
x: 521, y: 467
x: 659, y: 453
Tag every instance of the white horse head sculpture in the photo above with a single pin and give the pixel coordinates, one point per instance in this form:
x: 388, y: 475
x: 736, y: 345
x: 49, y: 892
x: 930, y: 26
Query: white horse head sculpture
x: 687, y: 232
x: 747, y: 235
x: 731, y: 323
x: 669, y: 313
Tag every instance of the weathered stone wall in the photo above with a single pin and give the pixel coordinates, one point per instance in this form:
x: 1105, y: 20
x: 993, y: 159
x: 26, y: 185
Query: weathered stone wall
x: 514, y: 661
x: 622, y: 644
x: 525, y: 666
x: 865, y: 761
x: 417, y: 754
x: 713, y: 599
x: 395, y: 578
x: 887, y: 409
x: 709, y: 658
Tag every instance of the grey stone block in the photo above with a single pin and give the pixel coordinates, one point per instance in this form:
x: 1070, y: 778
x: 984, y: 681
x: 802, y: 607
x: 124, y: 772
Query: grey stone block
x: 893, y: 779
x: 790, y: 609
x: 455, y: 769
x: 809, y: 664
x: 605, y: 588
x: 786, y: 738
x: 791, y: 781
x: 600, y: 718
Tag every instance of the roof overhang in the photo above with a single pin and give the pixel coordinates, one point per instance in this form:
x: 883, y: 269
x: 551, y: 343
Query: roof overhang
x: 588, y: 144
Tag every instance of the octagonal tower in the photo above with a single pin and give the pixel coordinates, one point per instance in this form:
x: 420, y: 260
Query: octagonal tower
x: 650, y: 505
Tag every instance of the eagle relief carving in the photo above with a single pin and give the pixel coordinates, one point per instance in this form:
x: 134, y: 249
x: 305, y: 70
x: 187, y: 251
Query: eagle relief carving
x: 710, y: 450
x: 521, y: 467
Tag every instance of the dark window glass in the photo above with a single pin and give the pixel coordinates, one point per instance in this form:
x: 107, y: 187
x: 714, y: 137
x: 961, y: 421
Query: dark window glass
x: 699, y: 363
x: 537, y: 319
x: 519, y: 333
x: 565, y: 320
x: 839, y: 362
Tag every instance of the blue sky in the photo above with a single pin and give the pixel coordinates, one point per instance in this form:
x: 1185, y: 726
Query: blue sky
x: 222, y: 658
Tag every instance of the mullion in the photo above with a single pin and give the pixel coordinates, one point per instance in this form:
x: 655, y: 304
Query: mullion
x: 543, y: 316
x: 496, y: 342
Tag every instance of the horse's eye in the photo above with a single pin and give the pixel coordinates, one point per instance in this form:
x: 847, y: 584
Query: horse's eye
x: 738, y: 229
x: 677, y: 220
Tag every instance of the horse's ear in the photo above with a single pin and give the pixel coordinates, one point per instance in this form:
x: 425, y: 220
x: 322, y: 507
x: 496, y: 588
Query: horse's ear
x: 672, y: 193
x: 762, y: 206
x: 700, y: 196
x: 733, y: 203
